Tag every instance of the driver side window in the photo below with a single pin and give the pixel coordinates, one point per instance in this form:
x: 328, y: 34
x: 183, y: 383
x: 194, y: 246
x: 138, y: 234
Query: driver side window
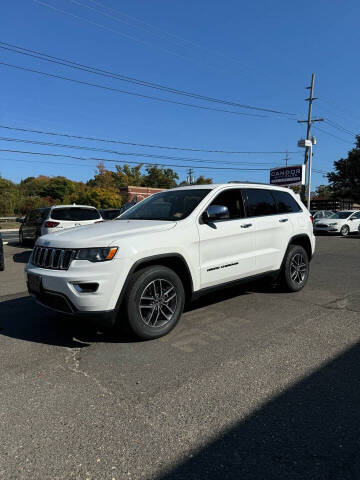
x: 232, y: 199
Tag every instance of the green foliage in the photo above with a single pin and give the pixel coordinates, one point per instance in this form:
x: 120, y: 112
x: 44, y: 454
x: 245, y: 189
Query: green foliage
x: 324, y: 191
x: 102, y: 191
x: 159, y: 177
x: 345, y: 180
x: 99, y: 197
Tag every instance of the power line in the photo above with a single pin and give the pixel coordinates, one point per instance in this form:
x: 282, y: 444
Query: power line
x: 132, y: 80
x: 332, y: 135
x: 118, y: 32
x: 163, y: 32
x: 129, y: 162
x: 339, y: 127
x: 57, y: 134
x: 130, y: 154
x: 128, y: 93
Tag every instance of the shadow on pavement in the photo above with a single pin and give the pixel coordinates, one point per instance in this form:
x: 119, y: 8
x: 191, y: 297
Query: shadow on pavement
x: 310, y: 431
x: 24, y: 319
x: 22, y: 257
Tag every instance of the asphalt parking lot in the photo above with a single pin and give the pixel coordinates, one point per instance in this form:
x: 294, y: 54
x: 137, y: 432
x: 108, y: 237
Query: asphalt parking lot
x: 252, y: 384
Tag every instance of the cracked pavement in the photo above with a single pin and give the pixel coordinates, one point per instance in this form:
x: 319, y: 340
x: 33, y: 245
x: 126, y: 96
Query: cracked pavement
x: 252, y: 383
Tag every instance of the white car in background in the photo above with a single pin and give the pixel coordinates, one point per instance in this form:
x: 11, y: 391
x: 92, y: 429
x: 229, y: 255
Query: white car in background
x: 344, y: 222
x: 62, y: 217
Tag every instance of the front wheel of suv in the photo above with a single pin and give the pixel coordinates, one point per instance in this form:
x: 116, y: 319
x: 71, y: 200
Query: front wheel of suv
x: 295, y: 271
x: 154, y: 301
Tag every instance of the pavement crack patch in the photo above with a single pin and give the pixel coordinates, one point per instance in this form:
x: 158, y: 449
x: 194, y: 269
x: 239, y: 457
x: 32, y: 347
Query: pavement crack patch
x: 72, y: 362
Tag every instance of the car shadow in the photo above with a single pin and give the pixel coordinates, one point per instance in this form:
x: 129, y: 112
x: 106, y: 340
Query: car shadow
x: 308, y: 431
x: 22, y: 318
x: 22, y: 257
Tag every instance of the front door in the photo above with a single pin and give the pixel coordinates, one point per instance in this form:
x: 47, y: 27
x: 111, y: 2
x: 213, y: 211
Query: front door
x: 227, y: 246
x: 354, y: 222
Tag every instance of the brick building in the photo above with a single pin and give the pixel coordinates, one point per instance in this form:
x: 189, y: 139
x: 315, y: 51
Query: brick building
x: 129, y: 193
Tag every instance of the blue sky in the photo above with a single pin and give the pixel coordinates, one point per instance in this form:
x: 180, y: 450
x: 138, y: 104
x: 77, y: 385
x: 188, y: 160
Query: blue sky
x: 259, y: 53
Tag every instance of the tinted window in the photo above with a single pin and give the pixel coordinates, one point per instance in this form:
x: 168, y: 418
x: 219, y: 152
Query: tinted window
x: 260, y: 202
x: 75, y: 214
x: 232, y: 199
x: 356, y: 215
x: 171, y: 205
x: 287, y: 203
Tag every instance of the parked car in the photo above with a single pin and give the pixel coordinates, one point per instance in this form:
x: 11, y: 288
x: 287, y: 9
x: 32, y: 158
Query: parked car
x: 320, y: 214
x: 57, y: 218
x: 2, y: 256
x: 344, y: 222
x: 170, y: 248
x: 110, y: 213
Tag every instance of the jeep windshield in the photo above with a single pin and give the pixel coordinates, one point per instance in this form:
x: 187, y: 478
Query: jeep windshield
x: 172, y: 205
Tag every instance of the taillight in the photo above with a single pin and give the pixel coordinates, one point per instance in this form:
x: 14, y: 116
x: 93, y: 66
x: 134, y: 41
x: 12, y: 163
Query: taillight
x: 49, y: 224
x: 312, y: 219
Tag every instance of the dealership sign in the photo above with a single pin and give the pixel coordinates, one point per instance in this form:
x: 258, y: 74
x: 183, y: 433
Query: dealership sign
x: 288, y: 175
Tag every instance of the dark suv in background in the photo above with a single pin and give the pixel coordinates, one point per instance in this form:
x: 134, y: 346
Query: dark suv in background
x: 30, y: 228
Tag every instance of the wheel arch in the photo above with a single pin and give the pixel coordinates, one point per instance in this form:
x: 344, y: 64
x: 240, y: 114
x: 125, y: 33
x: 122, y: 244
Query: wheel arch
x: 174, y: 261
x: 304, y: 241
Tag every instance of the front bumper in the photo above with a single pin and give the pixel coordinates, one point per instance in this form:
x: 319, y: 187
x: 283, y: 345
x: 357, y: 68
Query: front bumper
x: 58, y: 290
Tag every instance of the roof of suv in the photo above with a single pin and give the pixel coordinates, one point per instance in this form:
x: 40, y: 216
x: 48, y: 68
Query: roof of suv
x: 73, y: 206
x: 212, y: 186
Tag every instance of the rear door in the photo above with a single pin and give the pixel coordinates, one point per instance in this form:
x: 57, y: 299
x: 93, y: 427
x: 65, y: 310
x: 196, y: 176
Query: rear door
x: 227, y: 246
x: 273, y: 227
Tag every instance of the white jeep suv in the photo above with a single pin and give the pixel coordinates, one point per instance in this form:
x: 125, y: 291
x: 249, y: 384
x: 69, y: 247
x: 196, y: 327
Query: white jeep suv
x: 170, y: 248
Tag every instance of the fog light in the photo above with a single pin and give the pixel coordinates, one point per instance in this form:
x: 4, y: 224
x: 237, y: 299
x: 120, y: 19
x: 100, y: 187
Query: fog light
x: 90, y: 287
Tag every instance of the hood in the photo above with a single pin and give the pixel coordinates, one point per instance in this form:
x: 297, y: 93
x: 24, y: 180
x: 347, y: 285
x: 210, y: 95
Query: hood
x: 102, y: 234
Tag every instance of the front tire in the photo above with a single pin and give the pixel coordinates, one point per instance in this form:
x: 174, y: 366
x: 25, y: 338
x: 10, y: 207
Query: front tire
x: 345, y: 231
x: 295, y: 272
x: 154, y: 301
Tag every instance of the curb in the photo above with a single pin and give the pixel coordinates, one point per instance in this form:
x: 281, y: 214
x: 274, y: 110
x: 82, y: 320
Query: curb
x: 9, y: 230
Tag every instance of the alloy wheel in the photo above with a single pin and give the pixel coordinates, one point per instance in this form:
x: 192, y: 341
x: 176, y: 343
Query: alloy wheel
x: 298, y: 269
x: 158, y: 303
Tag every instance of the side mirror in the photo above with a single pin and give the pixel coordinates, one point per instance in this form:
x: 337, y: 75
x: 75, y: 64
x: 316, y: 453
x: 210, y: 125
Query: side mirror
x: 216, y: 212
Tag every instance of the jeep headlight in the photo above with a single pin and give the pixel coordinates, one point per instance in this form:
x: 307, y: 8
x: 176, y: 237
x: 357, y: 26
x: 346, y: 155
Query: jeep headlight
x: 100, y: 254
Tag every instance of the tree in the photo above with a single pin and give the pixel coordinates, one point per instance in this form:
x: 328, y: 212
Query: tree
x: 9, y: 197
x: 103, y: 177
x: 125, y: 176
x: 323, y: 191
x: 160, y: 177
x: 203, y: 181
x: 96, y: 196
x: 345, y: 180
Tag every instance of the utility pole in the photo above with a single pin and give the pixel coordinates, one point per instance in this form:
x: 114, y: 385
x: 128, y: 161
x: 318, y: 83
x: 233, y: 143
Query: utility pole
x: 287, y: 158
x: 309, y: 121
x: 190, y: 178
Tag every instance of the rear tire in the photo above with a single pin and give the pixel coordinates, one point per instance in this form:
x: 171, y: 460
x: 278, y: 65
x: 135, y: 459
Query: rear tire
x: 295, y: 271
x: 154, y: 301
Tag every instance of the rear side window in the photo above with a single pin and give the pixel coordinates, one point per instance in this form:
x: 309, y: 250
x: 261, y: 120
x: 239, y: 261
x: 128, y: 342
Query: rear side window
x: 75, y: 214
x: 287, y: 203
x: 259, y: 202
x: 232, y: 199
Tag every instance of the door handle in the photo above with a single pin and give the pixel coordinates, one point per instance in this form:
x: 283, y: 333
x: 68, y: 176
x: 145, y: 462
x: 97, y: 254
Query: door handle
x: 246, y: 225
x: 282, y: 220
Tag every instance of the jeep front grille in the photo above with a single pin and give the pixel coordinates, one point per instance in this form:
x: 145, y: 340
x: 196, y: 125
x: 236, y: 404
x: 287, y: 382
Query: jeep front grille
x: 54, y: 258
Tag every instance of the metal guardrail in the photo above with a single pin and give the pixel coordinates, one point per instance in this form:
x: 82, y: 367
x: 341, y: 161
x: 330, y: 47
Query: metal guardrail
x: 8, y: 219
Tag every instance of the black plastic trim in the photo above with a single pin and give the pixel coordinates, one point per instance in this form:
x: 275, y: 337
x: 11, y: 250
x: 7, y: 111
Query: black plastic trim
x: 250, y: 279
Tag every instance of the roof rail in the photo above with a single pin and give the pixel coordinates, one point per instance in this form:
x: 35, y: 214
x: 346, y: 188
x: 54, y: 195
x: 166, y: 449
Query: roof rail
x: 251, y: 183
